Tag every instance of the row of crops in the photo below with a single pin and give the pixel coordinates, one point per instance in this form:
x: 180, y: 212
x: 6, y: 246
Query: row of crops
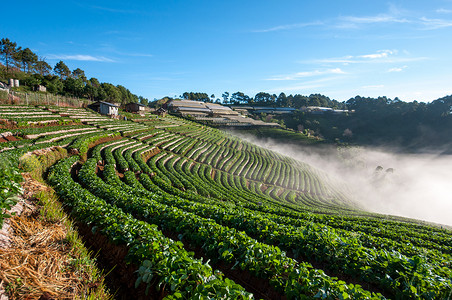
x: 205, y: 214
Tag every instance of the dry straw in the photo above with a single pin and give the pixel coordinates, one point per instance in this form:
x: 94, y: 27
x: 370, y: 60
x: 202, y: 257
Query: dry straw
x: 39, y: 262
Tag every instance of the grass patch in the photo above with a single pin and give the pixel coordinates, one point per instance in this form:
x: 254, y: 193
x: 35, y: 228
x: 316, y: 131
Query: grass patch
x: 281, y: 135
x: 80, y: 260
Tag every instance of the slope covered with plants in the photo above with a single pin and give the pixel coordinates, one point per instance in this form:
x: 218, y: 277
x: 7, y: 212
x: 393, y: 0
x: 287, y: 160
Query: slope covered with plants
x: 197, y: 213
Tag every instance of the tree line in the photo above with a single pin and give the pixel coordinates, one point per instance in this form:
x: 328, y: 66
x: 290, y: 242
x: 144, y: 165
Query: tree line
x: 282, y: 100
x: 267, y: 99
x: 382, y: 121
x: 371, y: 121
x: 32, y: 71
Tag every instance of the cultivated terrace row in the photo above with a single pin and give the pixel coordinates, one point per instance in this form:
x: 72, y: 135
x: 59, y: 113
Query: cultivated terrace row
x: 188, y: 211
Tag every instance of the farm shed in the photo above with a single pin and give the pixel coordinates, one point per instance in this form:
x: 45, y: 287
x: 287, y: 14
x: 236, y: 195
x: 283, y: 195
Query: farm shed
x: 136, y: 107
x: 217, y: 110
x: 105, y: 108
x: 192, y: 111
x: 175, y: 104
x: 41, y: 88
x: 318, y: 110
x: 161, y: 112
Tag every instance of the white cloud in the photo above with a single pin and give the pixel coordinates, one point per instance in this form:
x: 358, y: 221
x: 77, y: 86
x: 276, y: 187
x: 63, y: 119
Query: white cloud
x: 379, y: 86
x: 116, y: 10
x: 397, y: 69
x: 133, y: 54
x: 435, y: 23
x: 108, y: 48
x: 381, y: 18
x: 394, y: 15
x: 379, y: 54
x: 444, y: 11
x: 373, y: 87
x: 293, y: 88
x: 298, y: 75
x: 161, y: 78
x: 309, y: 85
x: 288, y: 27
x: 81, y: 57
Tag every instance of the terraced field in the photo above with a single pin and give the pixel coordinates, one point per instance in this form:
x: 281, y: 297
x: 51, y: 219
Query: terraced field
x: 202, y: 214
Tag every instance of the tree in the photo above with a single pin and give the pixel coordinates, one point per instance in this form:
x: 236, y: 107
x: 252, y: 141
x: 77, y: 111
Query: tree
x: 347, y: 133
x: 239, y: 97
x: 281, y: 100
x: 26, y: 59
x: 95, y: 82
x: 74, y: 86
x: 143, y: 100
x: 264, y: 98
x: 225, y: 97
x: 17, y: 58
x: 441, y: 107
x: 79, y: 74
x: 62, y: 70
x: 42, y: 67
x: 7, y: 51
x: 112, y: 94
x: 90, y: 91
x: 53, y: 84
x: 202, y: 97
x: 126, y: 95
x: 101, y: 94
x: 196, y: 96
x: 298, y: 101
x: 32, y: 81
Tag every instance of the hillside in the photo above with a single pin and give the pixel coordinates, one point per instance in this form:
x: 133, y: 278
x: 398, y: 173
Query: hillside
x: 381, y: 122
x: 248, y: 222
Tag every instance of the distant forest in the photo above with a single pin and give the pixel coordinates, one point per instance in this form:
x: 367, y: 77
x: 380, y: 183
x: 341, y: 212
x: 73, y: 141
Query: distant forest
x: 408, y: 126
x: 266, y: 99
x: 32, y: 71
x: 381, y: 121
x: 371, y: 121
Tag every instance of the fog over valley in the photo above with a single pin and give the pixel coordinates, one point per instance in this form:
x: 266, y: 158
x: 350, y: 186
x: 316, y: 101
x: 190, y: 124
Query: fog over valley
x: 408, y: 185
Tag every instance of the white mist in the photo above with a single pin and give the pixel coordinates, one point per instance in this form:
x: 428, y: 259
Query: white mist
x: 410, y: 185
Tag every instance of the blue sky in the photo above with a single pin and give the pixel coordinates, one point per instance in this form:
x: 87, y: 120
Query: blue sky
x: 164, y: 48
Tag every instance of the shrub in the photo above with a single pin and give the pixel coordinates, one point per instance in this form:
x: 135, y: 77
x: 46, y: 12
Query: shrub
x: 10, y: 179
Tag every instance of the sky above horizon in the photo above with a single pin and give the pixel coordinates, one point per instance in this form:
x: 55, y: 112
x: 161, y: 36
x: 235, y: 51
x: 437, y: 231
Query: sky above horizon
x: 165, y: 48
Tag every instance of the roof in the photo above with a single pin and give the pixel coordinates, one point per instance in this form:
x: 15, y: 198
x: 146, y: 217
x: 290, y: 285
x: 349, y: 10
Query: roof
x: 104, y: 103
x: 224, y: 112
x: 194, y: 109
x: 139, y: 104
x: 285, y: 108
x: 319, y: 108
x: 240, y: 107
x: 187, y: 113
x: 276, y: 112
x: 189, y: 103
x: 217, y: 106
